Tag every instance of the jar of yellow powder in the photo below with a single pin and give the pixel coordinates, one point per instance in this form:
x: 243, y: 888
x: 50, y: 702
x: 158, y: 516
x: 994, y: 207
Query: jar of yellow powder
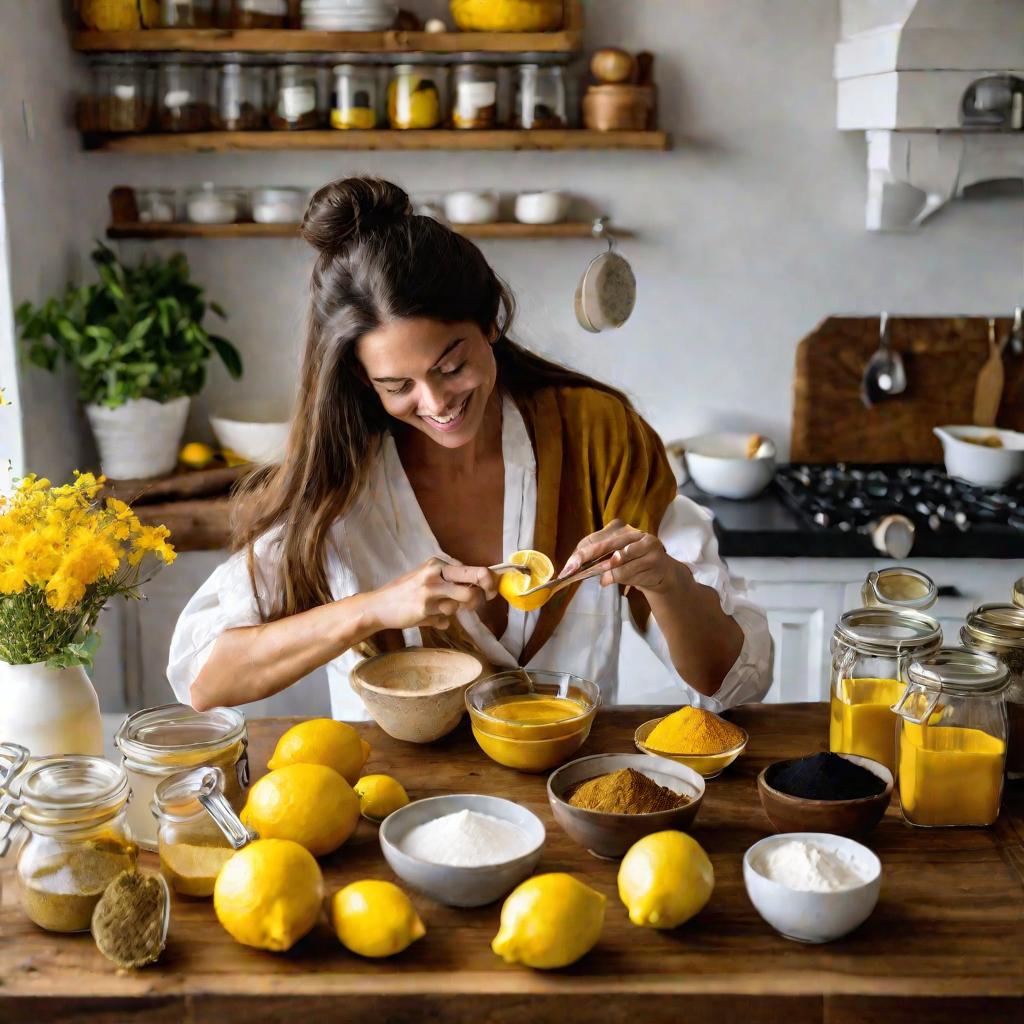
x: 415, y: 96
x: 871, y: 649
x: 951, y: 744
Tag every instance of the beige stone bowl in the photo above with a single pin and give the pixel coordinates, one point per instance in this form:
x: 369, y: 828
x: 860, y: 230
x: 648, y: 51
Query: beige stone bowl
x: 416, y: 694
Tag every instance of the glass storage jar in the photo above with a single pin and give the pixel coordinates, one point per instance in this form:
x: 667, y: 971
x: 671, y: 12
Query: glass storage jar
x: 78, y: 840
x: 278, y: 205
x: 239, y: 103
x: 187, y: 13
x: 355, y: 97
x: 182, y: 95
x: 121, y: 98
x: 871, y: 648
x: 197, y: 830
x: 899, y: 586
x: 157, y: 205
x: 254, y: 13
x: 951, y: 743
x: 414, y: 96
x: 296, y: 97
x: 474, y: 96
x: 158, y: 742
x: 999, y: 629
x: 540, y: 97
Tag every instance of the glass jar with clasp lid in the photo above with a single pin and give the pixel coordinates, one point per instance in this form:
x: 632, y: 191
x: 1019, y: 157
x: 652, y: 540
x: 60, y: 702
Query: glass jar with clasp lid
x: 158, y: 742
x: 78, y: 840
x: 871, y: 648
x: 951, y: 742
x: 197, y: 830
x: 999, y: 629
x: 899, y: 586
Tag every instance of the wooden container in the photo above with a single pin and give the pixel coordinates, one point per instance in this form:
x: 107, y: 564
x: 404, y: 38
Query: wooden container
x: 618, y: 107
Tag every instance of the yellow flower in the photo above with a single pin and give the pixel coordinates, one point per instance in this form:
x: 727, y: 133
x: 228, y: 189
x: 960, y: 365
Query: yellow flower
x: 64, y: 592
x: 12, y: 580
x: 152, y: 538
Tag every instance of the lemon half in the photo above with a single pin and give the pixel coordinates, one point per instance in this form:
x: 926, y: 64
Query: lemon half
x: 514, y: 584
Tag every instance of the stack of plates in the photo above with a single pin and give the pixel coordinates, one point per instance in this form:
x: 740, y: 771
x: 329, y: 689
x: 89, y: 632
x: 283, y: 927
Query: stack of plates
x: 348, y: 15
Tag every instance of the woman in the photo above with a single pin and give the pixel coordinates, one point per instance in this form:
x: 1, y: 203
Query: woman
x: 425, y: 446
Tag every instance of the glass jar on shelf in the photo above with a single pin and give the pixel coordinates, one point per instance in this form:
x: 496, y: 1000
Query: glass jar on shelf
x: 951, y: 743
x: 253, y: 13
x: 278, y: 204
x: 999, y: 629
x: 296, y: 96
x: 187, y: 13
x: 214, y: 204
x: 239, y: 103
x: 871, y: 649
x: 474, y: 92
x: 355, y: 97
x: 78, y: 839
x: 182, y: 95
x: 540, y: 97
x: 121, y: 97
x: 157, y: 205
x: 415, y: 96
x: 158, y: 742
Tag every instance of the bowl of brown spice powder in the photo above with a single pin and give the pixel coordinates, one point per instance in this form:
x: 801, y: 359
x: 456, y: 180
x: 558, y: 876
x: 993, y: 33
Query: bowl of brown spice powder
x: 606, y: 802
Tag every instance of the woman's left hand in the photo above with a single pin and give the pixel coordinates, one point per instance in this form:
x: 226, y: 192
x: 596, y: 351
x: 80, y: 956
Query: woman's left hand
x: 632, y: 558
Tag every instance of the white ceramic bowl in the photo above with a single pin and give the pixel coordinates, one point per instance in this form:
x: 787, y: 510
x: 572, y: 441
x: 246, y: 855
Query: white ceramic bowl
x: 718, y: 464
x: 814, y: 916
x: 255, y: 431
x: 471, y: 207
x: 978, y: 464
x: 541, y: 207
x: 460, y: 886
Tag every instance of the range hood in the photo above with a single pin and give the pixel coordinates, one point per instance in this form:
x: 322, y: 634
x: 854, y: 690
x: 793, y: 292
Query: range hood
x: 938, y: 88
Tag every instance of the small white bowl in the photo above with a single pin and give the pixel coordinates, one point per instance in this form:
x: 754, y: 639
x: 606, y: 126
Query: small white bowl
x: 255, y: 431
x: 460, y: 886
x: 978, y: 464
x: 471, y: 207
x: 814, y: 916
x: 718, y: 464
x: 541, y: 207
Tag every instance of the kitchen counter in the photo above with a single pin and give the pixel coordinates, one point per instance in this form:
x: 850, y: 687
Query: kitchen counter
x: 946, y: 941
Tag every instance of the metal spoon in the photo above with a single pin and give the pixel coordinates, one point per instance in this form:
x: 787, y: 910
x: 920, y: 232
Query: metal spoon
x: 509, y: 567
x: 597, y: 567
x: 885, y: 374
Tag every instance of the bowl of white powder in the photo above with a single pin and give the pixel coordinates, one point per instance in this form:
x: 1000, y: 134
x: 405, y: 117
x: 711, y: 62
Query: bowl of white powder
x: 463, y: 850
x: 812, y: 886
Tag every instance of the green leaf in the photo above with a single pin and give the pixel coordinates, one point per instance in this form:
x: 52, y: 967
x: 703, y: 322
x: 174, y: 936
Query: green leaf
x: 229, y: 355
x: 79, y: 653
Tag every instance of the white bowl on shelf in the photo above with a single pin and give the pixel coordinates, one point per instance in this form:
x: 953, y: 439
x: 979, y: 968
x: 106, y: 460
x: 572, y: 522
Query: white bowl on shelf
x: 256, y: 431
x: 718, y: 464
x: 979, y: 464
x: 541, y: 207
x: 468, y: 207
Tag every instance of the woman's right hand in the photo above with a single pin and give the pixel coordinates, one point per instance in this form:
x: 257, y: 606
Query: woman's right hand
x: 432, y: 594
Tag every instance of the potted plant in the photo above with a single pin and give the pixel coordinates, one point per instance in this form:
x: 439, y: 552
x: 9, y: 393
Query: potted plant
x: 63, y: 554
x: 137, y: 342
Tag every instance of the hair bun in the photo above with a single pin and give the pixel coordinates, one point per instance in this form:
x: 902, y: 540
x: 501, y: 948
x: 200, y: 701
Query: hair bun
x: 349, y: 207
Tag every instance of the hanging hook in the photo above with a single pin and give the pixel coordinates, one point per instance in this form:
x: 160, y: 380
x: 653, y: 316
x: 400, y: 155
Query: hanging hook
x: 602, y: 230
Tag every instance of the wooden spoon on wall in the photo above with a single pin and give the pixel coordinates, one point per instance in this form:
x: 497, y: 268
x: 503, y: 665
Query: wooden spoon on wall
x: 988, y: 390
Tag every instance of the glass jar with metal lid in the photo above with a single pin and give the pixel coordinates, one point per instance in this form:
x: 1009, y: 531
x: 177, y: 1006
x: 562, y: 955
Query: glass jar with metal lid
x: 899, y: 586
x: 296, y: 99
x: 871, y: 648
x: 415, y: 96
x: 999, y: 629
x: 238, y: 93
x: 474, y: 92
x: 540, y: 97
x: 159, y: 742
x: 78, y: 842
x: 951, y: 743
x: 356, y: 98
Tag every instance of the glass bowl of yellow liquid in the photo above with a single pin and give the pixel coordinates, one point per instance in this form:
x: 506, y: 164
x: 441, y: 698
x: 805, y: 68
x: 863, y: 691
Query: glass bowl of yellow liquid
x: 532, y: 720
x: 709, y: 765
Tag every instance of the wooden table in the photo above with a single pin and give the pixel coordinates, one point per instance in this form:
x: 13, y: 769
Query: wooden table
x: 946, y: 942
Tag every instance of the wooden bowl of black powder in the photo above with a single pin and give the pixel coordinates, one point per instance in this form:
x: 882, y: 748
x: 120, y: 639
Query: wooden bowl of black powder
x: 838, y: 793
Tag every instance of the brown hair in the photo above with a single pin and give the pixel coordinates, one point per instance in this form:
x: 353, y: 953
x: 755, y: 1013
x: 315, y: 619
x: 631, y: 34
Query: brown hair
x: 378, y: 262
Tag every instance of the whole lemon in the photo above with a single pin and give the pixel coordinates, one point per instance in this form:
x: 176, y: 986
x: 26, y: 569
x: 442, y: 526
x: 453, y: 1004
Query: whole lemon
x: 664, y: 879
x: 268, y: 894
x: 323, y: 741
x: 196, y: 455
x: 310, y: 804
x: 375, y: 918
x: 513, y: 584
x: 379, y: 795
x: 549, y: 921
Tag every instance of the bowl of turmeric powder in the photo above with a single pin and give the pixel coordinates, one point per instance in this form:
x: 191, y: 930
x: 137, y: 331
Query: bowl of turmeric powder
x: 699, y: 739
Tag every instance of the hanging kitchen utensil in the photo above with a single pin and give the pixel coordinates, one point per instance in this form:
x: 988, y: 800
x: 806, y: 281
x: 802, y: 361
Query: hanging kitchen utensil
x: 606, y: 294
x: 885, y: 375
x: 1016, y: 341
x: 988, y: 389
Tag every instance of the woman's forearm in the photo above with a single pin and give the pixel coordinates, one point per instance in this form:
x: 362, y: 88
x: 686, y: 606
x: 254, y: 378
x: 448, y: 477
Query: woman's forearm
x: 703, y: 641
x: 253, y: 662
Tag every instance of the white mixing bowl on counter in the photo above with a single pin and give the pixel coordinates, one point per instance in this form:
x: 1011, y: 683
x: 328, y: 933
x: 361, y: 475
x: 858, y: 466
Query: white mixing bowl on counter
x: 983, y: 456
x: 256, y: 431
x: 727, y: 464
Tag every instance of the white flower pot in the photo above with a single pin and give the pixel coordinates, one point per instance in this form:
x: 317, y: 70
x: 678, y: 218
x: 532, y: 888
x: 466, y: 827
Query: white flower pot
x: 49, y: 710
x: 140, y: 438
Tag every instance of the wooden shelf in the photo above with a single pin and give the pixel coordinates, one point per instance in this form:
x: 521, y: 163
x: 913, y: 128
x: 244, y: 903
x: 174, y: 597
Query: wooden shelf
x: 504, y: 230
x: 379, y: 139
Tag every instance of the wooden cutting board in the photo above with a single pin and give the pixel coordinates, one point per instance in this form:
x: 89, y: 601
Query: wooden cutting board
x: 943, y: 356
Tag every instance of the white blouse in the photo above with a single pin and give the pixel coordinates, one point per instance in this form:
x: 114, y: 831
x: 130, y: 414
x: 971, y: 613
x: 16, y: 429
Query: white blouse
x: 386, y: 534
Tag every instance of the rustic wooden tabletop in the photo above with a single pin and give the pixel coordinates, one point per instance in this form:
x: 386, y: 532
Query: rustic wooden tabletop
x: 945, y: 943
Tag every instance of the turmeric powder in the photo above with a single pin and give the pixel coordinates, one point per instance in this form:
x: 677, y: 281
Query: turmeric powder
x: 694, y: 731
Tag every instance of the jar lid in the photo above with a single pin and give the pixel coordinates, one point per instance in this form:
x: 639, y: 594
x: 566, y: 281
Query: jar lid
x: 899, y: 586
x: 1018, y: 593
x: 957, y: 670
x: 175, y: 734
x: 68, y: 788
x: 1001, y: 625
x: 887, y: 631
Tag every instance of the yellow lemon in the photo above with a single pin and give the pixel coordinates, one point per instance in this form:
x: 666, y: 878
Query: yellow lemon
x: 233, y: 458
x: 507, y: 15
x: 375, y: 918
x: 549, y: 921
x: 310, y: 804
x: 664, y: 879
x: 268, y: 894
x: 513, y: 584
x: 323, y: 741
x: 110, y: 15
x: 379, y: 795
x: 196, y: 455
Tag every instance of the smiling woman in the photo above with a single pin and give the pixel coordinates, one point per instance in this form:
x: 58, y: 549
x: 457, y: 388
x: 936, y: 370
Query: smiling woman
x: 427, y: 445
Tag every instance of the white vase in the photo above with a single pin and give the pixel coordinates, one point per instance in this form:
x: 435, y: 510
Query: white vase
x: 139, y: 439
x: 49, y: 710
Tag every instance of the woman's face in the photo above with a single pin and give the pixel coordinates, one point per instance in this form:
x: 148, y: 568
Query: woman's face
x: 433, y: 376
